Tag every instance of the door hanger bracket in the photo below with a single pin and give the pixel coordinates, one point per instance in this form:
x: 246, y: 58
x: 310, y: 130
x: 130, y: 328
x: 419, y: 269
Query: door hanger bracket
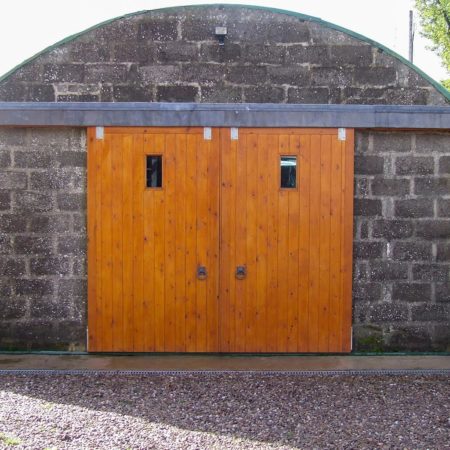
x: 207, y: 133
x: 99, y: 133
x: 342, y: 135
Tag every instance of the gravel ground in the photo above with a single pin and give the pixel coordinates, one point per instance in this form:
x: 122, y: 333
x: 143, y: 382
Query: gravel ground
x: 224, y: 412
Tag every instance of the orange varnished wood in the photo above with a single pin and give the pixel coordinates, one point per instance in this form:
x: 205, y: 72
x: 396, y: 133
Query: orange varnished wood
x: 148, y: 248
x: 324, y: 235
x: 106, y: 274
x: 127, y: 228
x: 227, y: 215
x: 191, y: 243
x: 288, y: 239
x: 334, y: 317
x: 159, y: 210
x: 180, y: 239
x: 273, y: 188
x: 346, y: 254
x: 314, y: 245
x: 282, y: 249
x: 199, y: 130
x: 202, y: 220
x: 170, y: 242
x: 251, y: 303
x: 117, y: 173
x: 145, y: 256
x: 137, y: 173
x: 153, y: 130
x: 293, y: 253
x: 287, y: 131
x: 240, y: 211
x: 213, y: 194
x: 262, y: 201
x: 304, y: 186
x: 220, y: 206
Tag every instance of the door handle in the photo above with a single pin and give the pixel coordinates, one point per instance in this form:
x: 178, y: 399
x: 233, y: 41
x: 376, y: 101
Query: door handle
x: 202, y: 273
x: 241, y: 272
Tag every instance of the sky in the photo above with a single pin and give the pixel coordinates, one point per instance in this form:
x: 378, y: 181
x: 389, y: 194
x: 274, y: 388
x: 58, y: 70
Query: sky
x: 28, y: 26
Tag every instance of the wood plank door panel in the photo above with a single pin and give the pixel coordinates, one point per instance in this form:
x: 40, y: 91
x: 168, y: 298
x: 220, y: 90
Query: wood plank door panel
x: 146, y: 244
x: 294, y: 243
x: 221, y: 207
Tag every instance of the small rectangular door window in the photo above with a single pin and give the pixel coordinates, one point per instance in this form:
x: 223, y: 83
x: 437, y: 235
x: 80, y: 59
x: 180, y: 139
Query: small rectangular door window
x: 288, y: 168
x: 154, y: 171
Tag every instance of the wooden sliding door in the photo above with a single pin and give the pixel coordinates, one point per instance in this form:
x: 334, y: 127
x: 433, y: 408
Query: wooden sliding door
x: 286, y: 240
x: 204, y: 240
x: 153, y: 214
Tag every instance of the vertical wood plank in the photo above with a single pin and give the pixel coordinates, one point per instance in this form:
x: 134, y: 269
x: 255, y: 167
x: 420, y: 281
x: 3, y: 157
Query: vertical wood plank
x: 170, y: 243
x: 347, y: 227
x: 293, y: 254
x: 202, y: 242
x: 304, y: 237
x: 227, y: 213
x: 148, y: 247
x: 106, y: 246
x: 283, y: 250
x: 230, y: 262
x: 127, y: 230
x: 191, y: 242
x: 117, y: 244
x: 138, y: 186
x: 273, y: 175
x: 314, y: 245
x: 213, y: 194
x: 335, y: 327
x: 239, y: 239
x: 99, y: 231
x: 159, y: 221
x: 261, y: 243
x: 229, y: 204
x: 180, y: 240
x: 325, y: 192
x: 252, y: 214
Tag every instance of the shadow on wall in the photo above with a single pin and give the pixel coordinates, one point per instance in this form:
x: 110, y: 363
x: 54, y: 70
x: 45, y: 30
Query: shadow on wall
x: 223, y: 411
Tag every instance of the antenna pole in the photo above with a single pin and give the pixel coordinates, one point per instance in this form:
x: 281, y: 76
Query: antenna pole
x: 411, y: 36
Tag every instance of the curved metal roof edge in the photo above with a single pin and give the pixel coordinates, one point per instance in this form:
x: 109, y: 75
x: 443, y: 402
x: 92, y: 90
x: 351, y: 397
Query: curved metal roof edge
x: 441, y: 89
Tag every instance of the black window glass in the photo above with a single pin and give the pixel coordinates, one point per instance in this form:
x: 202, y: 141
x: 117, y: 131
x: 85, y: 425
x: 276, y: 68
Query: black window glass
x: 288, y: 167
x: 154, y: 171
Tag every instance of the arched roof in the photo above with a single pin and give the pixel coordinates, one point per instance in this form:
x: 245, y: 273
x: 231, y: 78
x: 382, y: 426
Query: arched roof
x: 301, y: 17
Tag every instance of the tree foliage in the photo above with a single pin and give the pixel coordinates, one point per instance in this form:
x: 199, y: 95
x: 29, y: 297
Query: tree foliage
x: 435, y: 22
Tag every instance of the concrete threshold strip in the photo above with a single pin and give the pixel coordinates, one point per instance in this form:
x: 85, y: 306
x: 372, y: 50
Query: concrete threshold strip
x: 299, y: 373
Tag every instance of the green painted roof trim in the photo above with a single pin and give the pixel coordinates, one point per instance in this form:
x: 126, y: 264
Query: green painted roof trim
x: 300, y: 16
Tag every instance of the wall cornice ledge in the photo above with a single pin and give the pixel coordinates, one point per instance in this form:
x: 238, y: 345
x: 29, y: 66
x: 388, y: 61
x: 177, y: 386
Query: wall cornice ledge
x: 225, y: 115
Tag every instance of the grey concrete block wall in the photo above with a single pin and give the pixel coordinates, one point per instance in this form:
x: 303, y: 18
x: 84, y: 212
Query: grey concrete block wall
x: 401, y: 290
x: 401, y: 284
x: 173, y: 55
x: 43, y: 284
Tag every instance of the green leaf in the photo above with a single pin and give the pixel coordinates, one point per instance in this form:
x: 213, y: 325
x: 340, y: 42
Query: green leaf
x: 435, y: 22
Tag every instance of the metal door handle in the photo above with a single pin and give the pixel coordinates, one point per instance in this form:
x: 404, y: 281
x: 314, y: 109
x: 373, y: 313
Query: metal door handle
x: 202, y: 273
x: 241, y: 272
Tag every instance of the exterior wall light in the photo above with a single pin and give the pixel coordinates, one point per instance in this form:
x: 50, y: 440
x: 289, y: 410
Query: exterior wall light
x: 220, y: 33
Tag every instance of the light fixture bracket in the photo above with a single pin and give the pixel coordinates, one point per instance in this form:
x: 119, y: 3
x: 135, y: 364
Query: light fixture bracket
x: 221, y: 33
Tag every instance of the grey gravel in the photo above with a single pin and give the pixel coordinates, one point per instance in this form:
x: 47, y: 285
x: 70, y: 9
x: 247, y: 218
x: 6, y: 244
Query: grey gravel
x: 233, y: 411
